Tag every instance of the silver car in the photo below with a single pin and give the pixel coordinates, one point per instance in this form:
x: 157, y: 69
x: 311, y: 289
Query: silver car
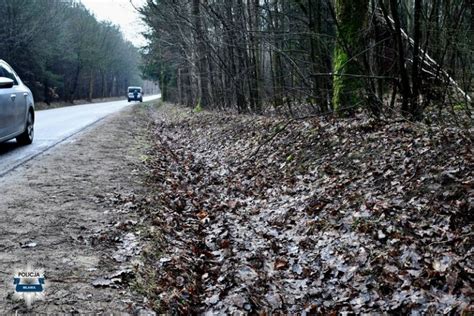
x: 17, y: 109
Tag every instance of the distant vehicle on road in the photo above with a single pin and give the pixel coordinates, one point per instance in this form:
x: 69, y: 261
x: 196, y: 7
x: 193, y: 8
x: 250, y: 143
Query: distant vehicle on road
x: 17, y: 108
x: 135, y: 94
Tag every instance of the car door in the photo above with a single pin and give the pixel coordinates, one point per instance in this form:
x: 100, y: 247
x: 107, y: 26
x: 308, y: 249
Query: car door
x: 7, y: 108
x: 18, y: 97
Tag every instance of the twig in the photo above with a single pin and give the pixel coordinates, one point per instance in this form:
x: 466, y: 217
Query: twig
x: 167, y: 147
x: 447, y: 241
x: 269, y: 139
x: 292, y: 120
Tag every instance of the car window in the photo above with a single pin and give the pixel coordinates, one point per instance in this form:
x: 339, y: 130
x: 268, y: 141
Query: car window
x: 132, y: 90
x: 5, y: 72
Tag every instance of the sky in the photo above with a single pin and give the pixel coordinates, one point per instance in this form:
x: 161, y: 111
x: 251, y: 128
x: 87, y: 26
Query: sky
x: 121, y: 13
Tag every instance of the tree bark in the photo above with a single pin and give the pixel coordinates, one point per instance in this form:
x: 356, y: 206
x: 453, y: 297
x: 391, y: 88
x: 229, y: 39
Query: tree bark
x: 203, y: 98
x: 405, y: 82
x: 351, y: 16
x: 415, y: 109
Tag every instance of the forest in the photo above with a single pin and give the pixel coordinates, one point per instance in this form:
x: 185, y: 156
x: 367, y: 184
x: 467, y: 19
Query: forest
x: 63, y: 53
x: 302, y: 57
x: 312, y: 157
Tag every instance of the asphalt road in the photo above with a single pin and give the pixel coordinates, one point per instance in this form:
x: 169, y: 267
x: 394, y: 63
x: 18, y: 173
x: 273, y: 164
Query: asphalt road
x: 52, y: 127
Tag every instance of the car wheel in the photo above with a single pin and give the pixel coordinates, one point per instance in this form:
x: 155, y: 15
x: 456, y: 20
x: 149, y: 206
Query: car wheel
x: 27, y: 136
x: 141, y: 100
x: 129, y: 100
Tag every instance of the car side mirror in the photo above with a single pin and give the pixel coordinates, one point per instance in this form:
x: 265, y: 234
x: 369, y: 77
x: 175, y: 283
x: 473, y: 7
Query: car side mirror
x: 6, y: 83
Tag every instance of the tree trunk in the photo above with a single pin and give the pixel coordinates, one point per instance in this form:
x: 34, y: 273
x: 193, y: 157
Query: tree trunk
x: 415, y: 109
x: 180, y: 87
x: 90, y: 94
x: 73, y: 90
x: 46, y: 93
x: 256, y: 61
x: 203, y: 84
x: 405, y: 83
x: 351, y: 16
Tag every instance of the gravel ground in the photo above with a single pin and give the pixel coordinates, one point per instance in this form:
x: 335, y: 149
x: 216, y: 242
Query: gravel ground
x: 58, y: 214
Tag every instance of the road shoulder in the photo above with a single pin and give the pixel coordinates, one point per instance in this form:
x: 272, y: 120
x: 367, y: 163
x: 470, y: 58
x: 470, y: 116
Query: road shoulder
x: 70, y: 212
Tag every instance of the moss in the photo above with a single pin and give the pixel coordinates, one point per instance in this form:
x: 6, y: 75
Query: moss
x: 340, y: 58
x: 198, y: 108
x: 278, y: 128
x: 460, y: 106
x: 144, y: 158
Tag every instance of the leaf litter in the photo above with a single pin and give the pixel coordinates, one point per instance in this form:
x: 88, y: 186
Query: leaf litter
x: 351, y: 215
